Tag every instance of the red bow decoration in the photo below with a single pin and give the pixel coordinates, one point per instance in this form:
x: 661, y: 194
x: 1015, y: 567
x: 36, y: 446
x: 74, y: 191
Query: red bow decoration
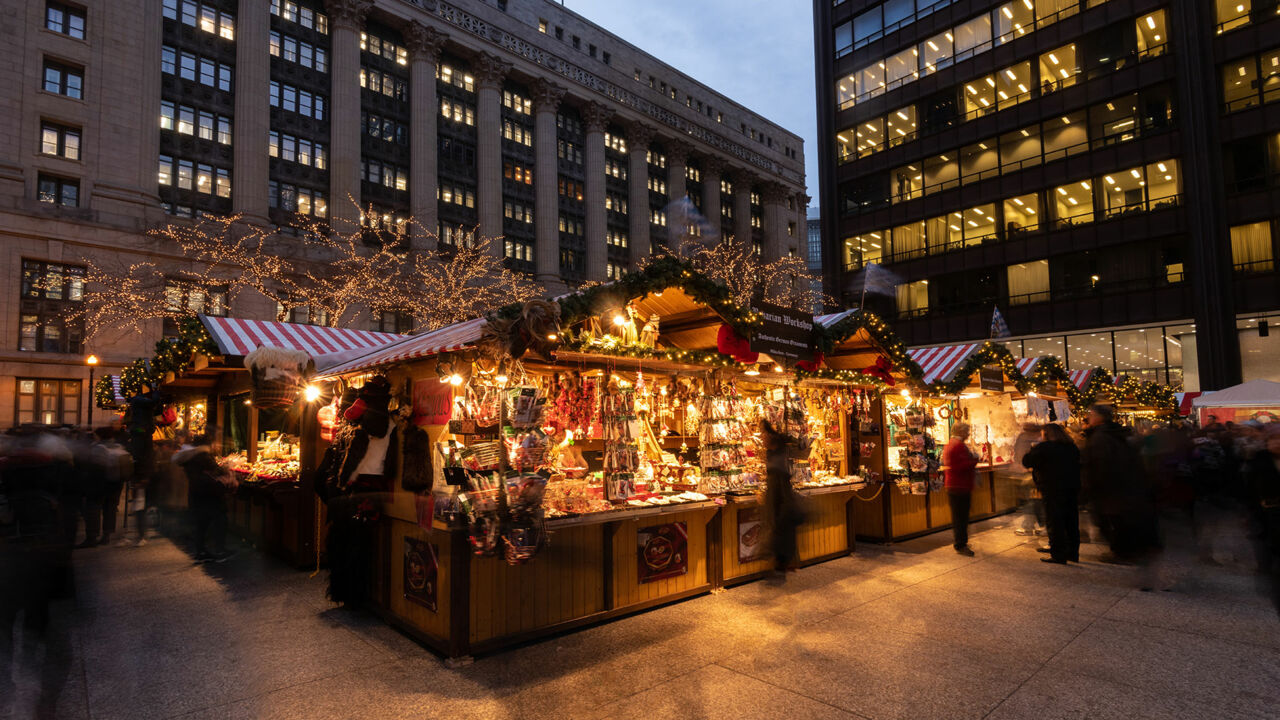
x: 880, y: 370
x: 811, y: 365
x: 354, y: 412
x: 735, y: 346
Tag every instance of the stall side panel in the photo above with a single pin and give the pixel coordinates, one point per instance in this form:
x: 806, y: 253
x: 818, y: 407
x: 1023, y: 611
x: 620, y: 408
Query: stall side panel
x: 627, y: 588
x: 434, y: 623
x: 823, y: 532
x: 732, y: 540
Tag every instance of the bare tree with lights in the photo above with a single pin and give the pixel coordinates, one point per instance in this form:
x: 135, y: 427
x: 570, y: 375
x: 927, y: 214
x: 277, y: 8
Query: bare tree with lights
x: 738, y: 266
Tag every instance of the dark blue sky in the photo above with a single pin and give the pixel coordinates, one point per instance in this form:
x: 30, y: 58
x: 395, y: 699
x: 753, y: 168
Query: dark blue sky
x: 758, y: 52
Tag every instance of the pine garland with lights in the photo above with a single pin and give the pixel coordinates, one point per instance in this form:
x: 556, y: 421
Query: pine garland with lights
x: 104, y: 393
x: 610, y: 346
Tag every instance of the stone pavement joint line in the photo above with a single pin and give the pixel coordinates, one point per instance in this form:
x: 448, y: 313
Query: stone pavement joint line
x: 909, y: 631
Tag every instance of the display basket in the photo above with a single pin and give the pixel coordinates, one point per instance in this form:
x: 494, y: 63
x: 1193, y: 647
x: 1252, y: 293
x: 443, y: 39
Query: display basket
x: 275, y: 393
x: 483, y: 455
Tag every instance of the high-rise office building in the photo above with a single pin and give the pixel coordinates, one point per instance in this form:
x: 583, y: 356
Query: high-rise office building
x: 1103, y: 171
x: 516, y: 117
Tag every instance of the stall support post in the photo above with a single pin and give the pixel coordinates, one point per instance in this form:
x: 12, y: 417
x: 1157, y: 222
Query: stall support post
x: 610, y: 529
x: 212, y: 422
x: 251, y: 451
x: 306, y: 503
x: 459, y: 597
x: 849, y: 527
x: 715, y: 551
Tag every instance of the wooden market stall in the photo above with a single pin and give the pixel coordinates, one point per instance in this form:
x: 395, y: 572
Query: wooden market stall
x: 637, y: 414
x: 274, y: 507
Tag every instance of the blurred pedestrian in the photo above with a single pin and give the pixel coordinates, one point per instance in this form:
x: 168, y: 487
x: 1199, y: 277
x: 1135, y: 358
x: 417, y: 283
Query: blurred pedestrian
x: 780, y: 497
x: 208, y: 485
x: 1031, y: 516
x: 960, y: 465
x: 1264, y: 486
x: 117, y: 466
x: 1122, y: 502
x: 1055, y: 463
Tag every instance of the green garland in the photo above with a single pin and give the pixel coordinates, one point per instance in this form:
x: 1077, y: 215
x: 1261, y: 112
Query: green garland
x: 611, y: 348
x: 172, y: 355
x: 104, y: 393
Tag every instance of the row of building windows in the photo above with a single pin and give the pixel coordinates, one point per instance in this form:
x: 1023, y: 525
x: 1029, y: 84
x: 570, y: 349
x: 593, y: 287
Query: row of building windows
x: 189, y: 66
x: 569, y: 151
x: 1132, y: 190
x: 301, y: 15
x: 1232, y: 14
x: 517, y: 103
x: 570, y: 189
x: 518, y: 212
x: 571, y: 226
x: 385, y: 83
x: 615, y: 169
x: 196, y: 176
x: 63, y: 79
x: 658, y: 185
x: 301, y: 200
x: 458, y: 112
x: 297, y: 150
x: 60, y: 141
x: 383, y: 128
x: 517, y: 133
x: 614, y: 271
x: 615, y: 238
x: 298, y: 51
x: 186, y: 120
x: 385, y: 174
x: 455, y: 195
x: 296, y: 100
x: 1051, y: 140
x: 1251, y: 81
x: 375, y: 45
x: 987, y: 31
x: 616, y: 143
x: 656, y: 159
x: 457, y: 78
x: 516, y: 172
x: 615, y: 203
x: 202, y: 15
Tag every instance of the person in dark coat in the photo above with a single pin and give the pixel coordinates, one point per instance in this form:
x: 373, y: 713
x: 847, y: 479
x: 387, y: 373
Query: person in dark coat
x: 1263, y: 474
x: 208, y: 485
x: 1055, y: 467
x: 780, y: 497
x: 1121, y: 502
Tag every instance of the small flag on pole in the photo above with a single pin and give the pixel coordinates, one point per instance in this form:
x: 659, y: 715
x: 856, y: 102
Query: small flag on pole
x: 999, y: 328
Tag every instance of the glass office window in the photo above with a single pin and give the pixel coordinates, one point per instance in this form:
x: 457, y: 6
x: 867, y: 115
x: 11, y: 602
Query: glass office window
x: 1163, y: 184
x: 1039, y: 347
x: 1153, y: 34
x: 1251, y: 248
x: 870, y: 136
x: 845, y: 146
x: 1240, y: 83
x: 901, y: 125
x: 979, y: 97
x: 1232, y: 14
x: 907, y: 183
x: 866, y: 26
x: 862, y: 250
x: 1087, y: 351
x: 1050, y: 11
x: 1113, y: 122
x: 1013, y: 20
x: 902, y: 67
x: 897, y: 12
x: 936, y: 52
x: 1059, y: 68
x: 844, y: 39
x: 946, y: 232
x: 909, y: 241
x: 979, y: 224
x: 1020, y: 148
x: 1065, y: 135
x: 973, y: 37
x: 870, y: 81
x: 1073, y: 203
x: 1140, y: 353
x: 846, y: 90
x: 1028, y: 282
x: 1022, y: 214
x: 1013, y: 84
x: 941, y: 172
x: 1270, y: 69
x: 1123, y: 192
x: 913, y: 298
x: 979, y: 161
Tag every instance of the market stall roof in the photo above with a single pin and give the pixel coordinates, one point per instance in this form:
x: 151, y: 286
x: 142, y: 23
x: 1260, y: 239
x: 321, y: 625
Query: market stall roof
x: 239, y: 337
x: 445, y: 339
x: 1185, y: 401
x: 1255, y: 393
x: 1080, y: 378
x: 1026, y: 365
x: 830, y: 319
x: 939, y: 364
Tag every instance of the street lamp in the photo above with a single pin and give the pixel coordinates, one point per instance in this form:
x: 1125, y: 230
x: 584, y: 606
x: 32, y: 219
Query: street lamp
x: 92, y: 362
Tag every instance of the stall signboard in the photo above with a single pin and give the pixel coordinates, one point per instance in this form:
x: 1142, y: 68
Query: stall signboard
x: 784, y: 334
x: 991, y: 379
x: 751, y: 532
x: 432, y: 402
x: 663, y: 551
x: 420, y: 571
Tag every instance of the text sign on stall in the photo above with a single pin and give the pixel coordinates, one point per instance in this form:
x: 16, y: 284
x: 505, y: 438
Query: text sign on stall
x: 991, y: 379
x: 432, y: 402
x: 784, y: 334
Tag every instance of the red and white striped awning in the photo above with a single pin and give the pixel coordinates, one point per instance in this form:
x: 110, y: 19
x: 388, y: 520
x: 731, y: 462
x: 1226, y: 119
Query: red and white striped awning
x: 832, y: 318
x: 939, y: 364
x: 238, y: 337
x: 115, y: 388
x: 1080, y: 378
x: 445, y: 339
x: 1026, y: 365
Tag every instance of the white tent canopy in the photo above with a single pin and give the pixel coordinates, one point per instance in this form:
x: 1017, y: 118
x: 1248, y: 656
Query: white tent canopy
x: 1255, y: 393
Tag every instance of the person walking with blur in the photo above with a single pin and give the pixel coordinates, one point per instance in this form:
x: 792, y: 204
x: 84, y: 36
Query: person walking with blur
x: 1263, y: 474
x: 960, y: 465
x: 1031, y: 515
x: 117, y: 466
x: 780, y: 497
x: 208, y: 484
x: 1055, y: 463
x: 1121, y: 502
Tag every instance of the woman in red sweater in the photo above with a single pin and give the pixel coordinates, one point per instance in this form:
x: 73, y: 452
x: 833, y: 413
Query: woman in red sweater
x: 960, y: 464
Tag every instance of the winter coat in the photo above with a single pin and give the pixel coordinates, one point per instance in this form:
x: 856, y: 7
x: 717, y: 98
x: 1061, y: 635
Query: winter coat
x: 204, y: 474
x: 350, y: 443
x: 961, y: 466
x: 1055, y: 467
x: 1112, y: 470
x: 1264, y: 479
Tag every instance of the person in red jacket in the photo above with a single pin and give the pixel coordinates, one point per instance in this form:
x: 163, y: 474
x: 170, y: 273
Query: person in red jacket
x: 960, y: 464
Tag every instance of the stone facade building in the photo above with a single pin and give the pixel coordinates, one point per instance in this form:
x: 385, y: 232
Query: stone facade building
x: 517, y: 118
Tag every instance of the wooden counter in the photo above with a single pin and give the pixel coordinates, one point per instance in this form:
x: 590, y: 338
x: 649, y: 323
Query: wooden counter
x: 826, y: 533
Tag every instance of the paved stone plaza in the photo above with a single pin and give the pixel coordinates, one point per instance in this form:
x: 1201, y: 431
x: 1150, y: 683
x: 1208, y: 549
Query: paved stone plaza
x: 910, y: 631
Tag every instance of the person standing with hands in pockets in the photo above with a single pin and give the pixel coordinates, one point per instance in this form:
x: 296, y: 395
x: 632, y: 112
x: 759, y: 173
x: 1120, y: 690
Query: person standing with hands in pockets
x: 960, y: 464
